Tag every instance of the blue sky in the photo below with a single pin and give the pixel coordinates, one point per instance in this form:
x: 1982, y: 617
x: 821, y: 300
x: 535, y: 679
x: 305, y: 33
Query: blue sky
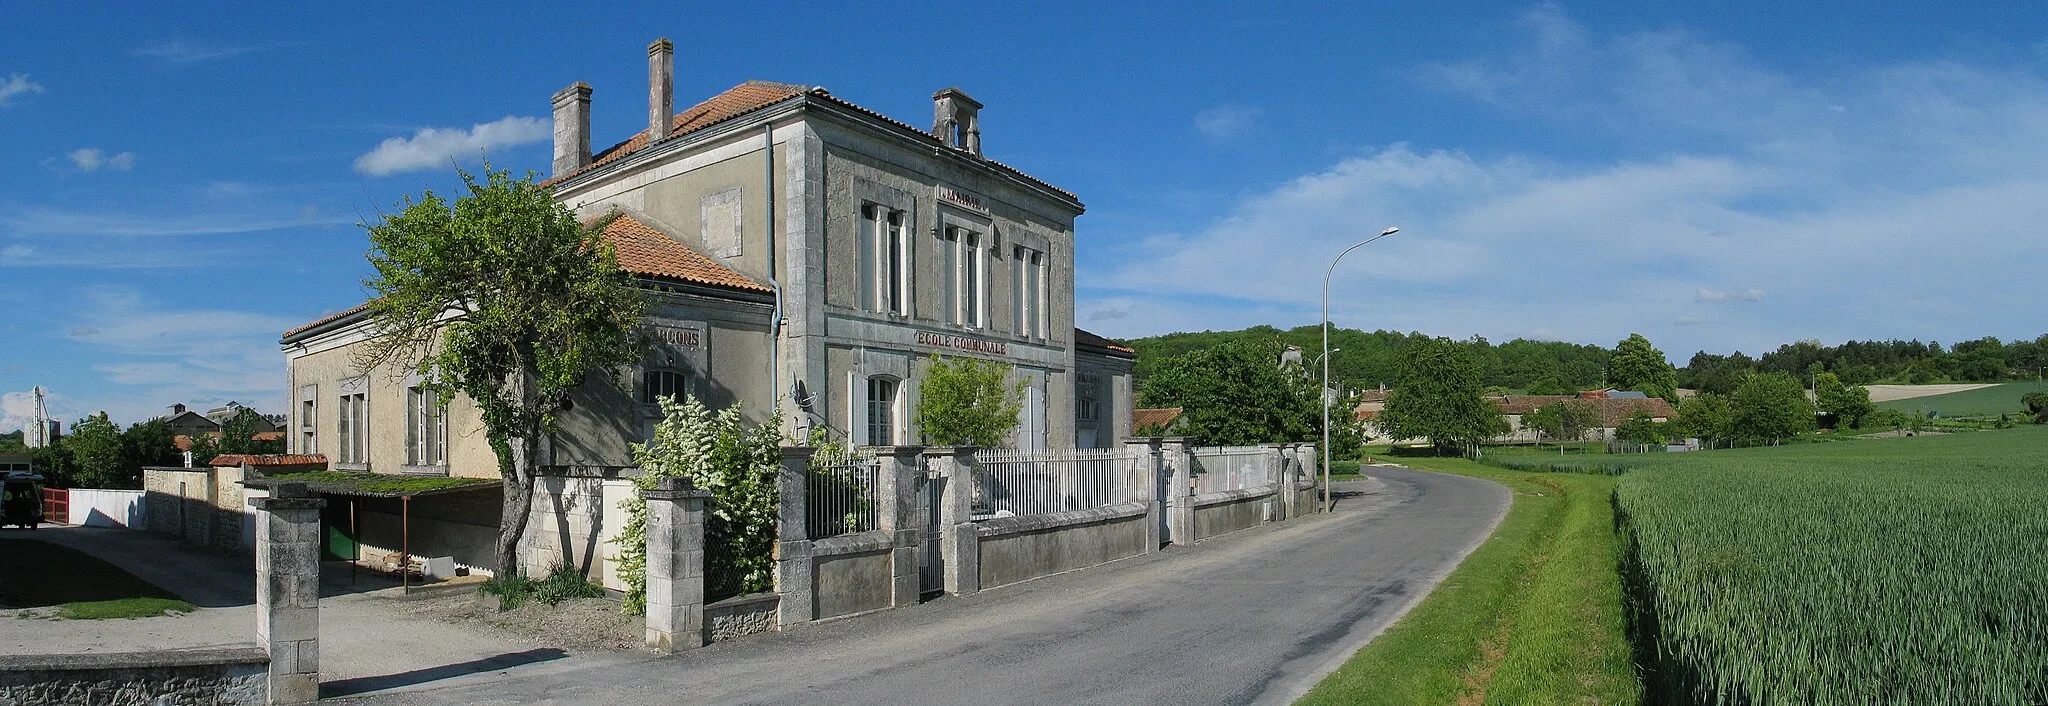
x: 179, y: 184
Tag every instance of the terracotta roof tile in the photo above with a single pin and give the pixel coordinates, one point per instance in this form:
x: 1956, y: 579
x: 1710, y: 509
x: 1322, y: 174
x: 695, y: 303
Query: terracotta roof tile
x: 645, y: 250
x: 734, y: 102
x: 260, y: 460
x: 328, y: 319
x: 1162, y: 416
x: 642, y: 250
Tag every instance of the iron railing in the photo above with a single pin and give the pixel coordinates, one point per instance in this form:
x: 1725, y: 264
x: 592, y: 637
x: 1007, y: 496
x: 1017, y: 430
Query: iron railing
x: 839, y: 495
x: 1019, y: 483
x: 1220, y: 468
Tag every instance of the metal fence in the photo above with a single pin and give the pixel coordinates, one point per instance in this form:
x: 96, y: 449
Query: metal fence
x: 839, y: 495
x: 1018, y: 483
x: 1220, y: 468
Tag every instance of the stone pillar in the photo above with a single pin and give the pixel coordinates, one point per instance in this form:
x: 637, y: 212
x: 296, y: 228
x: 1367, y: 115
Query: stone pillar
x: 1144, y: 451
x: 959, y: 537
x: 895, y: 502
x: 1290, y: 469
x: 1276, y: 474
x: 675, y: 565
x: 792, y: 540
x: 1179, y: 456
x: 288, y: 591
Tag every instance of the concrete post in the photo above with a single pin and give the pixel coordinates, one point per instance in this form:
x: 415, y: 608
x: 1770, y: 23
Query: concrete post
x: 960, y: 539
x: 1179, y: 457
x: 1276, y: 473
x: 1290, y: 469
x: 1311, y: 457
x: 675, y: 565
x: 792, y: 540
x: 288, y: 591
x: 1144, y: 452
x: 895, y: 501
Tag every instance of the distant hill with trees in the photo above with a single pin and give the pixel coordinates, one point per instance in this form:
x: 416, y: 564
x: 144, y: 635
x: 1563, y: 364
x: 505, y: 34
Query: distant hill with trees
x: 1369, y: 359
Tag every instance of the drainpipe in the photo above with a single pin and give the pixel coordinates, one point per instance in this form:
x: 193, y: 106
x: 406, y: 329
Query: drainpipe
x: 775, y: 319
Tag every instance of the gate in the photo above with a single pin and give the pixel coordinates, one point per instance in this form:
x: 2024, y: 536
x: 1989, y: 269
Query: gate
x: 57, y: 506
x: 925, y: 503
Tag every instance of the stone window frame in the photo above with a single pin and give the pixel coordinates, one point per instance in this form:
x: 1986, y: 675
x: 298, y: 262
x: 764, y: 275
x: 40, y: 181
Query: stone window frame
x: 352, y: 449
x: 959, y: 259
x: 414, y: 463
x: 867, y: 192
x: 308, y: 410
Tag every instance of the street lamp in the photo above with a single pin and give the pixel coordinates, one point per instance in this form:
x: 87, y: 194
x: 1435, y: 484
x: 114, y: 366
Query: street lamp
x: 1329, y: 499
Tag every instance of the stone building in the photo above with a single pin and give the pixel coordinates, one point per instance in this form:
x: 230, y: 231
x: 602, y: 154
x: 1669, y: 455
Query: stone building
x: 800, y: 249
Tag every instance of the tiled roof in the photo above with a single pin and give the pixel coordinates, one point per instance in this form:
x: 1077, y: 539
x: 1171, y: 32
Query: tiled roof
x: 1162, y: 416
x: 1089, y: 339
x: 260, y: 460
x: 328, y: 319
x: 747, y: 98
x: 1612, y: 410
x: 734, y: 102
x: 644, y: 250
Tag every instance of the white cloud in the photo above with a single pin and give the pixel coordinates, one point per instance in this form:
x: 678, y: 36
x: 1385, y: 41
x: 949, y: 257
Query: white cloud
x: 183, y: 52
x: 15, y: 85
x: 40, y: 221
x: 432, y: 148
x: 17, y: 409
x: 91, y: 159
x: 1712, y: 296
x: 1859, y: 223
x: 156, y: 355
x: 1225, y: 122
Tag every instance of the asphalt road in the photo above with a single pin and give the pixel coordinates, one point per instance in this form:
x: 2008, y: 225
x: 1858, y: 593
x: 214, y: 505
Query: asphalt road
x: 1253, y: 617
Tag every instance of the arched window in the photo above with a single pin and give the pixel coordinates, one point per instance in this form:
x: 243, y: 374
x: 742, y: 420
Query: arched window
x: 881, y: 411
x: 657, y: 384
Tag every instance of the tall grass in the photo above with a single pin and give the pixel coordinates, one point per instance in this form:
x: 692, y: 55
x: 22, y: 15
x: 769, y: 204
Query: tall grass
x: 1906, y: 571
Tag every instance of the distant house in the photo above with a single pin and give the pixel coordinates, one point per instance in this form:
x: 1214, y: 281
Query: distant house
x: 1612, y: 406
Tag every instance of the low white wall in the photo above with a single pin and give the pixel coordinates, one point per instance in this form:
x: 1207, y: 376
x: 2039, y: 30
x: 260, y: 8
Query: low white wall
x: 108, y: 508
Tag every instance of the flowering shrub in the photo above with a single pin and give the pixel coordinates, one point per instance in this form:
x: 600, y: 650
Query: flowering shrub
x: 737, y: 463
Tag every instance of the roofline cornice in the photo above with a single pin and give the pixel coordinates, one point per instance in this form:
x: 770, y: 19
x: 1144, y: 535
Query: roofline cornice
x: 794, y: 106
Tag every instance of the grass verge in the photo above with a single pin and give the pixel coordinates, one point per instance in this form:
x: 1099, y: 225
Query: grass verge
x: 1533, y: 616
x: 123, y: 608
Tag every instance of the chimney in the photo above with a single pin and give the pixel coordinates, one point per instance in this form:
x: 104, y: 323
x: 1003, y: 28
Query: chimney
x: 177, y: 409
x: 956, y: 120
x: 661, y: 88
x: 572, y: 128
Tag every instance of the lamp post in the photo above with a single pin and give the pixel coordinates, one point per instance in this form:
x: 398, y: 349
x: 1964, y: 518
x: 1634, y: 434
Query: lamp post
x: 1329, y: 500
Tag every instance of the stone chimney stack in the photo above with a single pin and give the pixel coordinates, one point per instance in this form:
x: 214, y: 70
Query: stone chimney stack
x: 177, y: 408
x: 572, y: 128
x: 956, y: 120
x: 661, y: 88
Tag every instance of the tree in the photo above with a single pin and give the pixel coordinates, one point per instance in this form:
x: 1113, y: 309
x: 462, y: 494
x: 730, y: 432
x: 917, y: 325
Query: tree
x: 968, y: 402
x: 1563, y: 421
x: 1770, y: 407
x: 2037, y: 402
x: 1889, y: 418
x: 1854, y: 406
x: 1637, y: 365
x: 149, y: 443
x: 503, y: 297
x: 95, y: 446
x: 1438, y: 398
x: 1640, y: 429
x: 1235, y: 393
x: 1706, y: 416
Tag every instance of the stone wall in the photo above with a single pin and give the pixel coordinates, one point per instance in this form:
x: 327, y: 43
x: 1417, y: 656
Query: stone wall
x: 740, y: 616
x: 1017, y: 549
x: 203, y: 506
x: 1231, y: 510
x: 232, y: 675
x: 852, y: 574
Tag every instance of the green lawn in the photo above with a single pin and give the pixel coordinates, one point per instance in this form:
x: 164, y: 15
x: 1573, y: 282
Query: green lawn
x: 1533, y: 616
x: 37, y: 574
x: 1983, y: 402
